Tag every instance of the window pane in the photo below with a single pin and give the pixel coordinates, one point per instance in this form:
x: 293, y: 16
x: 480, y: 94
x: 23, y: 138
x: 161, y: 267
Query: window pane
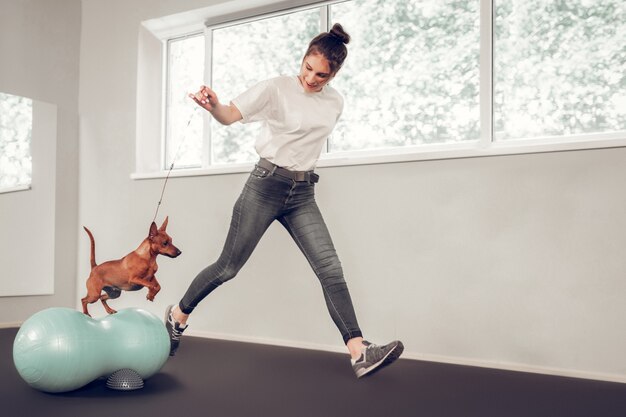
x: 559, y: 67
x: 245, y: 54
x: 183, y: 143
x: 16, y: 126
x: 411, y: 76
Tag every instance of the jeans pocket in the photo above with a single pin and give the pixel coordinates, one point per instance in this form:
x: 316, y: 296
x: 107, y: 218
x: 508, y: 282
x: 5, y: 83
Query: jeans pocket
x: 259, y: 172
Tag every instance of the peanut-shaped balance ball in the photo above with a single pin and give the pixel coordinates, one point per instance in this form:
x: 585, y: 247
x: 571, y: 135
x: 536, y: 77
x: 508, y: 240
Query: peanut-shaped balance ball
x: 60, y: 349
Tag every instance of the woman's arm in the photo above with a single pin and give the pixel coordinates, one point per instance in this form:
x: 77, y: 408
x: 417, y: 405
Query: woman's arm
x: 207, y: 99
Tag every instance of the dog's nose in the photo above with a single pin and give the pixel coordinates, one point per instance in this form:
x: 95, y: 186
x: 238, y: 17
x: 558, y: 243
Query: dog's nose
x: 178, y: 252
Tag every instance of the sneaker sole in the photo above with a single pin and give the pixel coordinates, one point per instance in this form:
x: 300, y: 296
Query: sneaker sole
x: 168, y: 311
x: 388, y: 359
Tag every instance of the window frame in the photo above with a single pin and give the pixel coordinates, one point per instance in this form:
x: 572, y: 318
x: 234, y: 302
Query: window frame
x: 485, y: 146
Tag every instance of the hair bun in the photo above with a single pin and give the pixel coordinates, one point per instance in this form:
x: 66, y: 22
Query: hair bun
x: 338, y: 32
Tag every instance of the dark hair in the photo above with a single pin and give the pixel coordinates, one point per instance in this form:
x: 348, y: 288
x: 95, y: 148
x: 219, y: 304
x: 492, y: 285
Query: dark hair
x: 332, y: 45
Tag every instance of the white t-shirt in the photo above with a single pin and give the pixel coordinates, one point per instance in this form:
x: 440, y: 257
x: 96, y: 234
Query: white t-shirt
x: 296, y: 123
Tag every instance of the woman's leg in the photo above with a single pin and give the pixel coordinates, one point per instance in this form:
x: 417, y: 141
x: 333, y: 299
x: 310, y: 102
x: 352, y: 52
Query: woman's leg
x: 251, y: 218
x: 308, y: 229
x: 306, y: 225
x: 253, y: 212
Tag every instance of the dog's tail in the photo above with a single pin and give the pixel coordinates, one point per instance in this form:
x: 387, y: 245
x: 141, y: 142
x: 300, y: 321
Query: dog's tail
x: 93, y: 248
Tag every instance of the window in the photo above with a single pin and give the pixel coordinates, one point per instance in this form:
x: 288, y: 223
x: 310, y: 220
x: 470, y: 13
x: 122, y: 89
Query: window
x: 462, y: 78
x: 559, y: 68
x: 16, y: 126
x: 411, y: 76
x: 246, y: 53
x: 184, y: 142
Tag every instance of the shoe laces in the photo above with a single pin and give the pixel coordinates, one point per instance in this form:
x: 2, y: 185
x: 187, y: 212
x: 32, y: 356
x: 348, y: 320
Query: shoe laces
x: 177, y: 330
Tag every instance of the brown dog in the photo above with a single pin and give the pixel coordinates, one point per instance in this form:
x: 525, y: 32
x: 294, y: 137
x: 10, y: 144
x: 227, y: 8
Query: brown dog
x: 131, y: 273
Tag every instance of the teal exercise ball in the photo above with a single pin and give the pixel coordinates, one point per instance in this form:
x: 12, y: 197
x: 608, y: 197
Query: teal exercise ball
x: 60, y: 349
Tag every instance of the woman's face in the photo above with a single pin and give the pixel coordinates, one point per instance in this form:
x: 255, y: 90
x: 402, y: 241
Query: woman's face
x: 314, y: 73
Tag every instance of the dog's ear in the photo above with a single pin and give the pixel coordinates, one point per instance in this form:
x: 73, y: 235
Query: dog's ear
x: 153, y: 230
x: 164, y: 225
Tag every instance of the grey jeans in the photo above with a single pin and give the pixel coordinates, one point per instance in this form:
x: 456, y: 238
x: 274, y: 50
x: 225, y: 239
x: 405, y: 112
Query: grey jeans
x: 267, y: 197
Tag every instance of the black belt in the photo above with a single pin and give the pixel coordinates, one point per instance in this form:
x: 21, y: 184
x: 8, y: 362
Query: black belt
x: 308, y: 176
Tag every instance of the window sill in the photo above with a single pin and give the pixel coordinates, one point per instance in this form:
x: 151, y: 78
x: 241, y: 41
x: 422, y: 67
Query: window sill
x: 472, y: 149
x: 194, y: 172
x: 15, y: 189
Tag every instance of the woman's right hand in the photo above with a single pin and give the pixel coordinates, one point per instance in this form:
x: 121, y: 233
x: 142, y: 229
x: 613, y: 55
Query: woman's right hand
x: 205, y: 98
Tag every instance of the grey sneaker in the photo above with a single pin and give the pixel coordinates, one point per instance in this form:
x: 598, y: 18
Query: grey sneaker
x: 174, y: 329
x: 375, y: 357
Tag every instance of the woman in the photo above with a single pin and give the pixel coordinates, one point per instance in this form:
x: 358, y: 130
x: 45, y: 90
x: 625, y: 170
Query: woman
x: 298, y: 113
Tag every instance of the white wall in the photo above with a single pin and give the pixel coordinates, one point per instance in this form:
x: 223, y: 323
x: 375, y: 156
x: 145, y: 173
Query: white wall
x: 510, y: 261
x: 39, y: 51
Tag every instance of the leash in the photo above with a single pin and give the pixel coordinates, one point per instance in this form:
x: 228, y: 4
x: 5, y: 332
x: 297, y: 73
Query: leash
x: 193, y: 115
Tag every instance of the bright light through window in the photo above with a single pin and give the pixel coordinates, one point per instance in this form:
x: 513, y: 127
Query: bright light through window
x: 559, y: 67
x: 184, y: 141
x: 16, y: 127
x: 247, y: 53
x: 411, y: 76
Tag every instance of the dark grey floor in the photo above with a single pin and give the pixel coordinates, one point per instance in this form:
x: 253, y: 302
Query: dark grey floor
x: 212, y: 378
